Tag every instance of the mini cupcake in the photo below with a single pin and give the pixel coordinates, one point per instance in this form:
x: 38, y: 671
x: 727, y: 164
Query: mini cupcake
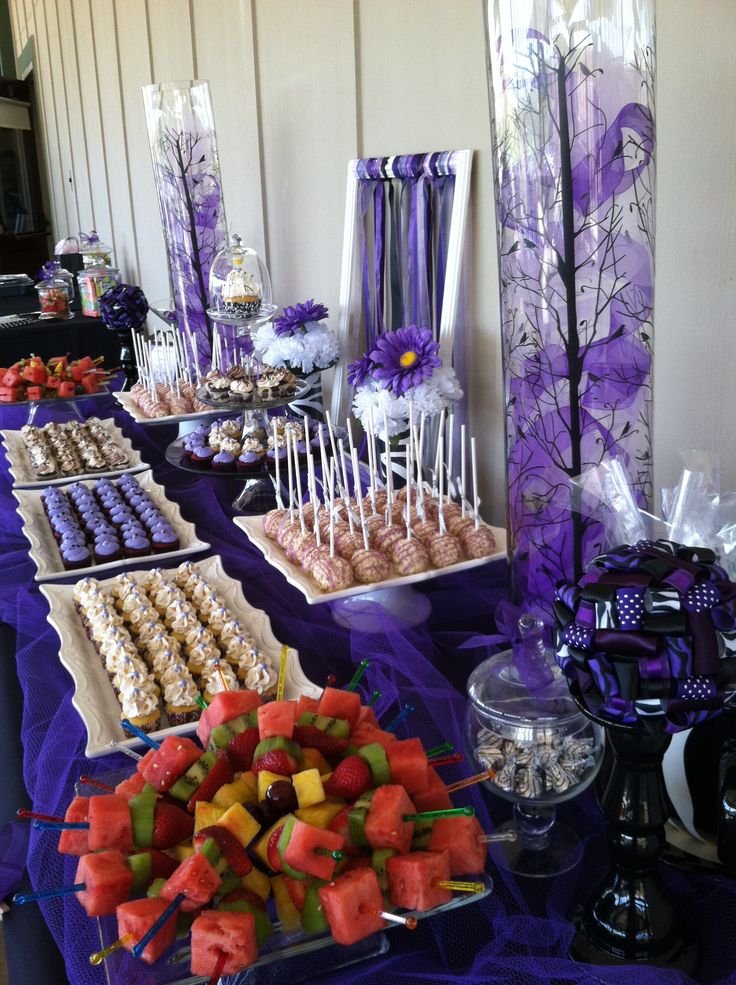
x: 223, y: 461
x: 202, y: 457
x: 107, y: 549
x: 164, y: 539
x: 216, y: 677
x: 74, y: 558
x: 180, y: 701
x: 142, y: 709
x: 218, y: 388
x: 136, y: 545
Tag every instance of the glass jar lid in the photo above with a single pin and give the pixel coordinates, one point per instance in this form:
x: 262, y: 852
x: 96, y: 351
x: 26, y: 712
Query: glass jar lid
x: 240, y: 287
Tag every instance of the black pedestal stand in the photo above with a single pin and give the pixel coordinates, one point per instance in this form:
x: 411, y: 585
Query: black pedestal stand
x: 630, y: 917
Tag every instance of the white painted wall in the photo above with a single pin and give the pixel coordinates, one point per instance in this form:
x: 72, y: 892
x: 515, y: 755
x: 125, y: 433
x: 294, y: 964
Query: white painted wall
x: 301, y: 86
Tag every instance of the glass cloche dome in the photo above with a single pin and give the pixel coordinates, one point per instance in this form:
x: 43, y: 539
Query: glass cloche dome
x: 240, y: 288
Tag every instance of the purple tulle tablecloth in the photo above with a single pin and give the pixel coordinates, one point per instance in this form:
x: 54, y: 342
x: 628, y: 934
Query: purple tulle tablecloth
x: 519, y: 934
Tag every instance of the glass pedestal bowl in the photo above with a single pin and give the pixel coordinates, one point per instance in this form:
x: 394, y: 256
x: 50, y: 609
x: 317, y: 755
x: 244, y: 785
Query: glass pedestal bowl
x: 544, y: 752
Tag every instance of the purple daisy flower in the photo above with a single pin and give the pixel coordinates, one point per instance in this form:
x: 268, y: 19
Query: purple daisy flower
x: 295, y: 317
x: 405, y: 358
x: 360, y: 370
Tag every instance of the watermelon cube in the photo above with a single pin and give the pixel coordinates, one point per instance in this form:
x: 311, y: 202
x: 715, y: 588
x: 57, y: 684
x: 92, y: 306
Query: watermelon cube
x: 412, y: 880
x: 194, y: 877
x: 306, y: 704
x: 110, y: 825
x: 217, y: 932
x: 67, y: 388
x: 365, y: 734
x: 300, y: 853
x: 459, y: 837
x: 225, y: 706
x: 335, y: 703
x: 408, y: 762
x: 75, y: 842
x: 277, y: 718
x: 385, y: 826
x: 170, y: 761
x: 352, y: 905
x: 132, y: 786
x: 367, y: 716
x: 107, y: 882
x: 136, y: 917
x: 435, y: 797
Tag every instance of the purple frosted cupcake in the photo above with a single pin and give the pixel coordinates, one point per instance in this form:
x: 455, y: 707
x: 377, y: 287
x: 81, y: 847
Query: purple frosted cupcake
x: 202, y: 457
x: 75, y: 557
x: 164, y: 539
x: 249, y: 462
x: 223, y: 461
x: 271, y: 458
x: 136, y: 545
x: 107, y: 549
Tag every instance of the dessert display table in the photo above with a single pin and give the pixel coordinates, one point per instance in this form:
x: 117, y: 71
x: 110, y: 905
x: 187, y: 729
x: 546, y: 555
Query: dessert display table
x: 520, y: 932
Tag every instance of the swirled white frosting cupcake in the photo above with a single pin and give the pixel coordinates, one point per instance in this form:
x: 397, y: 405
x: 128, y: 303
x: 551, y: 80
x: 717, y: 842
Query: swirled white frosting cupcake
x: 196, y: 637
x: 262, y: 678
x: 180, y: 700
x: 230, y: 629
x: 199, y: 657
x: 217, y: 676
x: 165, y: 659
x: 142, y: 709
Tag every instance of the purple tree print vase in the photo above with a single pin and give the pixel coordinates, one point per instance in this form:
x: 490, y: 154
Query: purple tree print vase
x: 181, y: 131
x: 572, y: 98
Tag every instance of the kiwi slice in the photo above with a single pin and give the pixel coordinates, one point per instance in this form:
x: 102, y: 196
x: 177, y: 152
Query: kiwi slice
x: 154, y: 890
x: 140, y: 865
x: 375, y: 756
x: 378, y: 863
x: 264, y: 927
x: 356, y: 819
x: 221, y: 735
x: 186, y: 786
x: 281, y: 844
x: 422, y: 834
x: 277, y: 742
x: 314, y: 920
x: 339, y: 728
x: 142, y: 809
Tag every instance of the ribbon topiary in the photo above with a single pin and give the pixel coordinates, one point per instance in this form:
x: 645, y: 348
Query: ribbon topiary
x: 647, y: 632
x: 124, y: 306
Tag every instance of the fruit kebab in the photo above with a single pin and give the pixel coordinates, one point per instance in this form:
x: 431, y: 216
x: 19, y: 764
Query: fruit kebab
x: 303, y: 807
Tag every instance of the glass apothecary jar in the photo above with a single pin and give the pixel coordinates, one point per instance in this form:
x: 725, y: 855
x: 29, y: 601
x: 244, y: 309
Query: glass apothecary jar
x: 522, y: 723
x: 54, y: 295
x: 93, y: 282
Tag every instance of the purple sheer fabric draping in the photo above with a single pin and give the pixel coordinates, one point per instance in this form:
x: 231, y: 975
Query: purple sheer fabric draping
x: 405, y: 207
x: 520, y: 934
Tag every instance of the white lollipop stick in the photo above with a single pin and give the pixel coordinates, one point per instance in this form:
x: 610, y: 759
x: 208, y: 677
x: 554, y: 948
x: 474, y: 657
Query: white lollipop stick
x: 442, y: 527
x: 409, y: 471
x: 333, y: 446
x: 331, y: 486
x: 298, y: 474
x: 279, y: 500
x: 289, y: 468
x: 372, y: 460
x: 345, y: 496
x: 450, y: 451
x: 359, y: 494
x: 389, y: 472
x: 312, y: 484
x: 474, y: 466
x: 440, y: 437
x: 462, y: 469
x: 420, y: 455
x: 323, y: 459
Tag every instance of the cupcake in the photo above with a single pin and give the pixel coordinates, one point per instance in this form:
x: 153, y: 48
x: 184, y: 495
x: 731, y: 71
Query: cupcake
x: 75, y: 557
x: 241, y: 294
x: 141, y: 708
x: 218, y: 388
x: 248, y: 462
x: 262, y: 678
x: 163, y: 539
x: 202, y: 457
x: 241, y: 390
x: 136, y: 545
x: 217, y: 676
x: 107, y: 549
x: 180, y: 701
x: 223, y: 461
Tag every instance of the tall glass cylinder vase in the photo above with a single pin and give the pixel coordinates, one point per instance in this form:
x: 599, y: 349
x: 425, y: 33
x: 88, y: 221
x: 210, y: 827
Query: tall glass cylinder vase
x: 181, y: 131
x: 572, y: 98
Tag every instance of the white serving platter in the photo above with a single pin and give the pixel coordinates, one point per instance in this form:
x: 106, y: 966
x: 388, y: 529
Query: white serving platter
x: 25, y: 478
x: 45, y: 551
x: 94, y: 697
x: 128, y: 404
x: 296, y: 576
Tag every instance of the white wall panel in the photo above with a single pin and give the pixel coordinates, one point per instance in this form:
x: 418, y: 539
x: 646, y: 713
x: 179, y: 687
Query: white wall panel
x: 227, y: 60
x: 75, y: 117
x: 306, y: 79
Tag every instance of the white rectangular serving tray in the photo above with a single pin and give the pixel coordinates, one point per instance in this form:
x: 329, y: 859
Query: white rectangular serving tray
x: 45, y: 551
x: 94, y: 697
x: 25, y: 478
x: 296, y: 576
x: 127, y: 403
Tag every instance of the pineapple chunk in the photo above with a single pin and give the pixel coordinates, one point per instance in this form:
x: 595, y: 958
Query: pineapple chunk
x: 265, y: 779
x: 287, y: 913
x: 238, y: 792
x: 240, y: 823
x: 320, y: 815
x: 182, y: 852
x: 308, y: 786
x: 257, y: 882
x: 206, y: 814
x: 312, y: 759
x: 261, y: 846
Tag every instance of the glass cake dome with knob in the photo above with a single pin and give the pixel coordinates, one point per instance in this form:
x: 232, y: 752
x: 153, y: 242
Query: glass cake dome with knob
x: 240, y: 288
x: 523, y: 725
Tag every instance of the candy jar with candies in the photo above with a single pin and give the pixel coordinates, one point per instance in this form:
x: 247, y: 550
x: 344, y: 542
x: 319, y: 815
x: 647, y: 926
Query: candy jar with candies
x: 54, y: 294
x: 522, y: 723
x: 94, y: 252
x: 93, y: 282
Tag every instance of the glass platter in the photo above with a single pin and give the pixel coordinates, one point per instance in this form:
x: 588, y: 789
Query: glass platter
x: 284, y: 958
x: 237, y: 405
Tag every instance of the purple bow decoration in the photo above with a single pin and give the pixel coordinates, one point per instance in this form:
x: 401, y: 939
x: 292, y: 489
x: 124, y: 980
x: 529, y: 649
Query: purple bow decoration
x: 534, y: 671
